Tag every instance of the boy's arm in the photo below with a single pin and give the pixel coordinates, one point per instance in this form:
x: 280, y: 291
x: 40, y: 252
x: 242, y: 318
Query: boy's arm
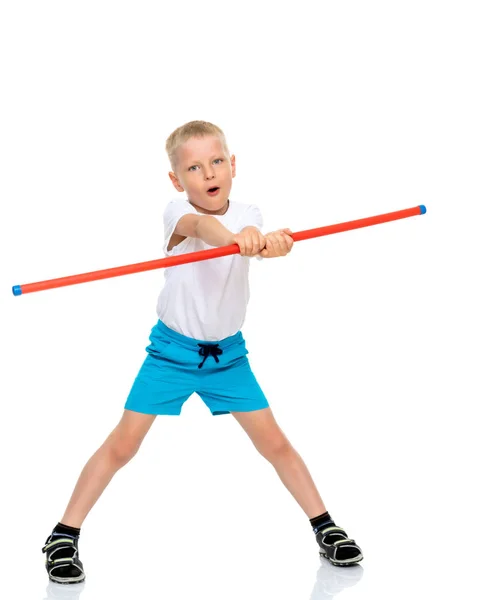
x: 206, y: 228
x: 212, y: 232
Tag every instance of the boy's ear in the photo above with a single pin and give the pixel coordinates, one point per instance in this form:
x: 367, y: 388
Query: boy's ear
x: 233, y: 165
x: 175, y: 181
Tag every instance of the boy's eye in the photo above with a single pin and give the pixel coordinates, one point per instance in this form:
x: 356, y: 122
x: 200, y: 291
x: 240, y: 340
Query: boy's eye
x: 193, y: 166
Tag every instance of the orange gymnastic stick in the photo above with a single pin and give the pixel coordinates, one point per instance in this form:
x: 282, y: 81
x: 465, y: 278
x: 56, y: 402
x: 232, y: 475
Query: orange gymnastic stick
x: 173, y: 261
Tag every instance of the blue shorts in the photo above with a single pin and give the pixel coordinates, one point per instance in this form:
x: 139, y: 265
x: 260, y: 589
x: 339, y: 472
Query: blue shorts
x: 171, y: 373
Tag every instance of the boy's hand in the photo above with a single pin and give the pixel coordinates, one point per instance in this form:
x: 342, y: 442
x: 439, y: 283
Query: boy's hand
x: 250, y: 240
x: 278, y: 243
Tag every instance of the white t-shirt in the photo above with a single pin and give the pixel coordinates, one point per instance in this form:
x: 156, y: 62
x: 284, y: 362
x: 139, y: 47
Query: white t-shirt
x: 206, y: 300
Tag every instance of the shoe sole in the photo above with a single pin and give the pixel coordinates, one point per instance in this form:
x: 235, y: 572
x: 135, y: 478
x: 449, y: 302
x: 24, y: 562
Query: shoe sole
x: 67, y: 582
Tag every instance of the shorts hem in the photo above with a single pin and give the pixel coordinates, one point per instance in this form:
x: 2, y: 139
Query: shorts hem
x: 149, y: 412
x: 215, y: 413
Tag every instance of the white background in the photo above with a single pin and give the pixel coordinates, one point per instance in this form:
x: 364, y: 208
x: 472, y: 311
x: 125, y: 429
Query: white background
x: 365, y: 342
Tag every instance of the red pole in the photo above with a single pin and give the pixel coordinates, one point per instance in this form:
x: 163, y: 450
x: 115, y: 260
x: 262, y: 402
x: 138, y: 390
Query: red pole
x: 208, y: 254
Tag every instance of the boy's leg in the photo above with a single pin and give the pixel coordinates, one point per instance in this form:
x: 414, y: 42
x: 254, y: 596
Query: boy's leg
x: 117, y: 450
x: 63, y: 562
x: 272, y: 444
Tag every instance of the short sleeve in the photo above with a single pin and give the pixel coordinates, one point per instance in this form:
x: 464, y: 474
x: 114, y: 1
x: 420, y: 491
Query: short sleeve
x: 252, y: 218
x: 173, y: 212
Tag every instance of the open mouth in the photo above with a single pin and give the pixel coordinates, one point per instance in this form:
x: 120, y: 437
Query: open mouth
x: 213, y: 191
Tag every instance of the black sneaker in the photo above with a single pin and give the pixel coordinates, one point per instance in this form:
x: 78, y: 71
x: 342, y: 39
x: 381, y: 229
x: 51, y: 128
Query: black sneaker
x: 62, y: 561
x: 337, y: 547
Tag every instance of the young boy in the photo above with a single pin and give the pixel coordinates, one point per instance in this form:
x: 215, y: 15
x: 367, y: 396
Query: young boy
x: 197, y: 346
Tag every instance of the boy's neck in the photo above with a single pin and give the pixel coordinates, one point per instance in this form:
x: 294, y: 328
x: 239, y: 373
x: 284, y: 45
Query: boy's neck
x: 220, y: 211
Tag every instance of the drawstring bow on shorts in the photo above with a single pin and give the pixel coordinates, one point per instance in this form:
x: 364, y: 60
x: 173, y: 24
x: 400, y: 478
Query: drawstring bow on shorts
x: 206, y: 350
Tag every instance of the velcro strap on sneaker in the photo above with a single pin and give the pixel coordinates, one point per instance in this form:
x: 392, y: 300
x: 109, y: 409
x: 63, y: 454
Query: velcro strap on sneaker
x: 68, y: 541
x: 332, y: 530
x: 62, y: 560
x: 342, y: 542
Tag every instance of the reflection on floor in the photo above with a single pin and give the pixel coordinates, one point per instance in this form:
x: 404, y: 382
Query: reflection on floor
x: 330, y: 581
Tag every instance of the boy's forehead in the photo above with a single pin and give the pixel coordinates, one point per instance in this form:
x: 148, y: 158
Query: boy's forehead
x: 200, y: 148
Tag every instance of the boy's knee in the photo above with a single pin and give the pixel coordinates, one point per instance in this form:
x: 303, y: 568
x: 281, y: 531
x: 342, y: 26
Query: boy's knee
x: 122, y: 449
x: 275, y: 447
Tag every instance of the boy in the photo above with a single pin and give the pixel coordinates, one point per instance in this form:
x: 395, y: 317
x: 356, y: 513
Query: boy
x: 197, y: 346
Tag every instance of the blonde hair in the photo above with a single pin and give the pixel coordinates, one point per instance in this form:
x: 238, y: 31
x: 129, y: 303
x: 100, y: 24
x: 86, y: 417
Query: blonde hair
x: 188, y: 130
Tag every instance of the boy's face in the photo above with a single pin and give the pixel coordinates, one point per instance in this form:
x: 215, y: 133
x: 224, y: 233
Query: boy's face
x: 201, y: 165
